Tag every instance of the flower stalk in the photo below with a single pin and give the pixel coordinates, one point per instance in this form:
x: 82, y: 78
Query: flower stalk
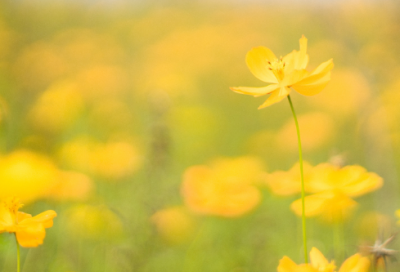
x: 18, y: 255
x: 303, y: 208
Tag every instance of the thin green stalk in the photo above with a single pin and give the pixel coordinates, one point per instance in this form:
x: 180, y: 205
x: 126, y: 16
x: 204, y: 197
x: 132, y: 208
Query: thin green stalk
x: 18, y: 255
x: 303, y: 207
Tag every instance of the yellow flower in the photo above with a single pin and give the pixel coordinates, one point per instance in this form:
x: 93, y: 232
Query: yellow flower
x: 94, y: 222
x: 355, y: 263
x: 284, y: 73
x: 71, y: 185
x: 113, y: 160
x: 352, y: 180
x: 333, y: 189
x: 286, y: 183
x: 29, y: 175
x: 174, y: 224
x: 319, y: 263
x: 331, y: 206
x: 225, y: 188
x: 30, y: 231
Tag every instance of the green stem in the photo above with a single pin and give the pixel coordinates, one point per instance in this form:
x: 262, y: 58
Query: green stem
x: 18, y: 255
x: 303, y: 206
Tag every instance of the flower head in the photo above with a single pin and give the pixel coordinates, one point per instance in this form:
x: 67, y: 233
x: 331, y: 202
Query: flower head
x: 27, y: 174
x: 286, y: 183
x: 226, y: 188
x: 333, y: 188
x: 174, y: 224
x: 30, y: 231
x: 284, y: 73
x: 319, y: 263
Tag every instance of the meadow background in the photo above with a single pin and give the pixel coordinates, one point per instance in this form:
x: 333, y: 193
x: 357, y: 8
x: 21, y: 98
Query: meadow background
x: 105, y: 105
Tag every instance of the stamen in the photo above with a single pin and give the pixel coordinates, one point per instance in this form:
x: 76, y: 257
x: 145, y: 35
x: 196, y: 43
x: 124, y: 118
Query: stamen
x: 12, y: 204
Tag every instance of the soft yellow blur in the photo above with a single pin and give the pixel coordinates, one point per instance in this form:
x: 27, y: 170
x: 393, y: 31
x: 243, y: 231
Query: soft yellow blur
x: 71, y: 186
x: 318, y: 263
x: 175, y: 224
x: 286, y: 183
x: 317, y: 131
x: 57, y: 108
x: 377, y: 223
x: 226, y: 187
x: 113, y: 160
x: 93, y: 222
x: 345, y: 96
x: 333, y: 188
x: 28, y: 175
x: 330, y: 206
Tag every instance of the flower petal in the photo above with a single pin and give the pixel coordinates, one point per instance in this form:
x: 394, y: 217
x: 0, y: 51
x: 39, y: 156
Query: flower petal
x: 275, y: 97
x: 31, y: 235
x: 355, y: 263
x: 359, y: 185
x: 286, y: 265
x: 289, y: 62
x: 257, y: 61
x: 319, y: 261
x: 302, y: 57
x: 22, y: 216
x: 297, y: 60
x: 294, y: 77
x: 314, y: 205
x: 314, y: 88
x: 6, y: 218
x: 318, y: 73
x: 332, y: 206
x: 255, y: 91
x: 44, y: 218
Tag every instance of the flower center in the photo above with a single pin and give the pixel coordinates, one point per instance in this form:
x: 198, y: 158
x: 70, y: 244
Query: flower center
x: 11, y: 206
x: 277, y: 66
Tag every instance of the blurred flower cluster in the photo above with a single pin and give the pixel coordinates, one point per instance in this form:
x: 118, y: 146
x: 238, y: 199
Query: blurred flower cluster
x: 118, y: 117
x: 332, y: 188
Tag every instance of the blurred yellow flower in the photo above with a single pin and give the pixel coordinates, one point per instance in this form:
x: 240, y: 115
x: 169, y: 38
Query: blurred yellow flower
x: 333, y: 188
x: 319, y: 263
x: 286, y: 183
x: 352, y: 180
x: 38, y: 65
x: 30, y: 231
x: 398, y: 215
x: 29, y: 175
x: 284, y: 73
x: 58, y: 107
x: 225, y: 188
x: 94, y: 223
x: 102, y: 81
x: 371, y: 223
x: 71, y: 186
x: 175, y: 224
x: 113, y: 160
x: 355, y: 263
x: 331, y: 206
